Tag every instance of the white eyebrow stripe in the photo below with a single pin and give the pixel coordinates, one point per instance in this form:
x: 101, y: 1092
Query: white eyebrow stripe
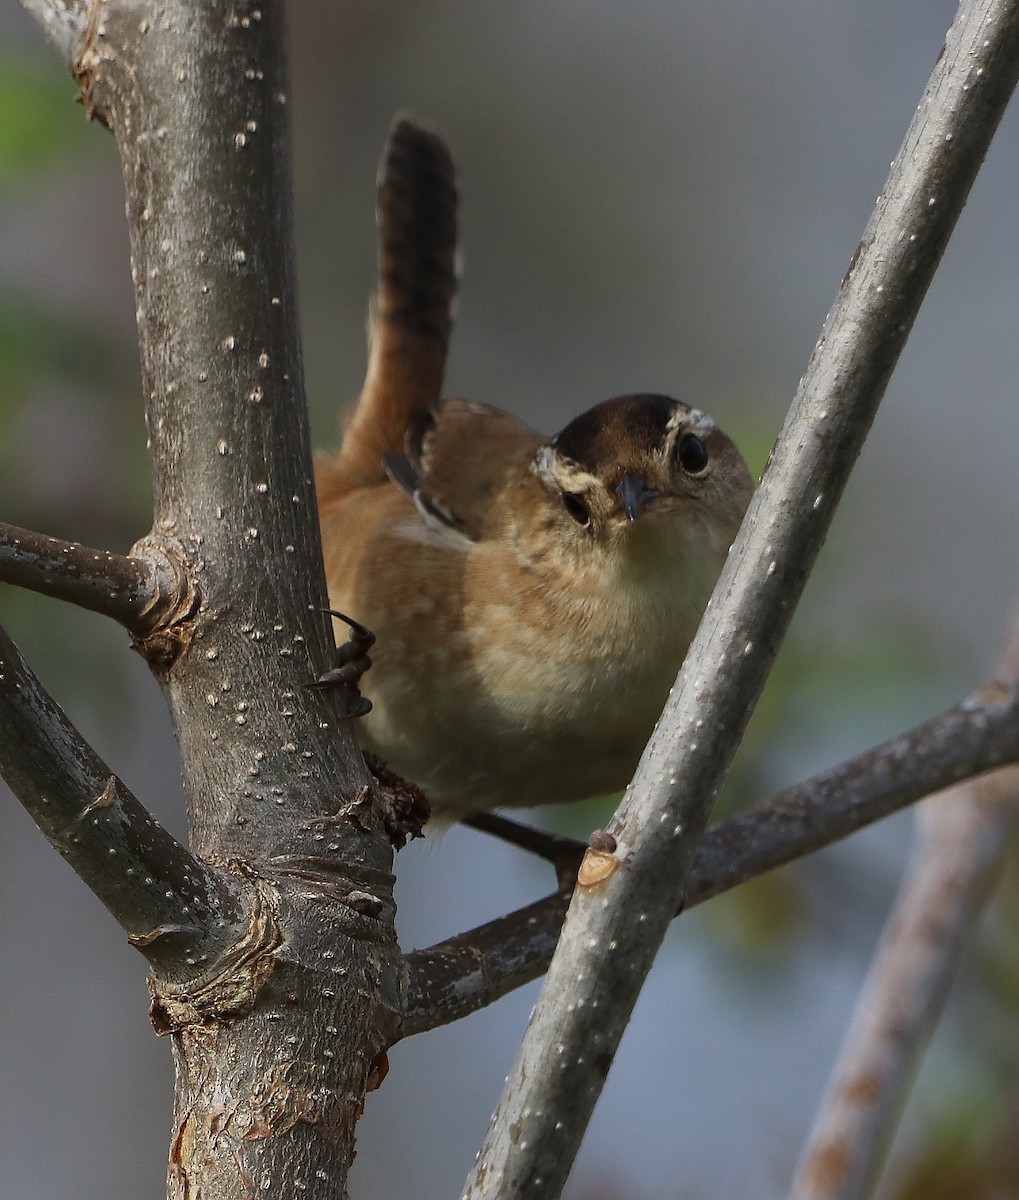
x: 690, y: 416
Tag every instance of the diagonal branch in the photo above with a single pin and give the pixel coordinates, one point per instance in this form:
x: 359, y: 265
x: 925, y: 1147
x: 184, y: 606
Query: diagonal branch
x: 976, y: 736
x: 961, y: 841
x: 172, y: 906
x: 63, y: 22
x: 613, y: 930
x: 466, y: 973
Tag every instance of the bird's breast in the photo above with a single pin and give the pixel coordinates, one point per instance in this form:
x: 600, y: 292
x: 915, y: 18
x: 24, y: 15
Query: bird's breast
x: 498, y: 681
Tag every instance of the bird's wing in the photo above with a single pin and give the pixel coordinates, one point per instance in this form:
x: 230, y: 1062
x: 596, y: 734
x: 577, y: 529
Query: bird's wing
x: 458, y: 460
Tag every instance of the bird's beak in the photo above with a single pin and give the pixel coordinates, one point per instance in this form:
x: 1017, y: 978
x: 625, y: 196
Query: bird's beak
x: 634, y: 494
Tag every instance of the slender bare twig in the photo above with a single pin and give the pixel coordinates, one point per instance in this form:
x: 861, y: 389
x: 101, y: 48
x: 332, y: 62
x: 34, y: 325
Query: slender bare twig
x: 171, y: 905
x: 565, y: 853
x: 124, y: 588
x: 961, y: 839
x: 976, y: 736
x: 465, y: 973
x: 614, y: 929
x: 960, y: 842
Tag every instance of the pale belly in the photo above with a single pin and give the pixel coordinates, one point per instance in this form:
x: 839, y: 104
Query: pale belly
x: 523, y: 718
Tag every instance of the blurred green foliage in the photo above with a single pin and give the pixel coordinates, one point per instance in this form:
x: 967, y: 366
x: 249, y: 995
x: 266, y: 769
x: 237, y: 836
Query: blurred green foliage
x: 37, y: 342
x: 66, y: 391
x: 41, y: 122
x: 40, y: 126
x: 969, y: 1154
x: 66, y: 384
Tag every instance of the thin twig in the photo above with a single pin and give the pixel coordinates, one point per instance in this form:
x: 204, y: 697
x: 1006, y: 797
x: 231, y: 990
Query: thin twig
x: 564, y: 853
x: 466, y: 973
x: 124, y: 588
x: 463, y: 974
x: 613, y: 930
x: 961, y: 839
x: 170, y: 904
x: 976, y: 736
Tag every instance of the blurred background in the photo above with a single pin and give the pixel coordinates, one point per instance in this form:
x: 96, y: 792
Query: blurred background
x: 656, y: 197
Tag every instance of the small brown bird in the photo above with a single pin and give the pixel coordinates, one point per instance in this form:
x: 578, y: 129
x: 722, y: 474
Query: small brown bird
x: 532, y: 598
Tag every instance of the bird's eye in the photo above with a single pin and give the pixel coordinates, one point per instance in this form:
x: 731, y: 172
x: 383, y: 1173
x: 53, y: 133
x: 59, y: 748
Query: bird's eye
x: 576, y: 507
x: 691, y: 453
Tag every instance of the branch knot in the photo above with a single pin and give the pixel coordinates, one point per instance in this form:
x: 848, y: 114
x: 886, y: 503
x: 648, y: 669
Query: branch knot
x: 229, y: 989
x: 166, y: 625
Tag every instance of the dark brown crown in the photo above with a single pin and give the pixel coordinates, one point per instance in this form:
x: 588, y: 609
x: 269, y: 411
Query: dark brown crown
x: 593, y: 439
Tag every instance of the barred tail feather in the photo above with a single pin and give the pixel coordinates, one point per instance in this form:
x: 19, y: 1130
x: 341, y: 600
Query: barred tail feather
x: 412, y: 320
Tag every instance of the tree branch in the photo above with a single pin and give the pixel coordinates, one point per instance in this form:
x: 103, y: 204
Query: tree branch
x: 613, y: 930
x: 198, y: 101
x: 63, y: 22
x: 961, y: 836
x: 132, y: 590
x: 456, y: 977
x: 463, y: 974
x: 197, y: 96
x: 961, y: 840
x: 177, y: 911
x: 978, y: 735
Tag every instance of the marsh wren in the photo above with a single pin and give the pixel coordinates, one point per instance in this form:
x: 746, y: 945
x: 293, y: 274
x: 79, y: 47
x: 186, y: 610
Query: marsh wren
x: 532, y: 598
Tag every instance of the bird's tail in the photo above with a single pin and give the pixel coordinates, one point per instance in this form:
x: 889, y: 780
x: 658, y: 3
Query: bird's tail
x: 412, y: 311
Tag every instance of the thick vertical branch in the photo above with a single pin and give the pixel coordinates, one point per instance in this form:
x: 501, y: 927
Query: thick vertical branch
x: 269, y: 1092
x: 196, y: 95
x: 613, y: 930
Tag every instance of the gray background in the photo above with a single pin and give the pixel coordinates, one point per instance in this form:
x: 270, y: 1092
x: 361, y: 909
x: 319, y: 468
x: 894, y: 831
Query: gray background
x: 656, y: 196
